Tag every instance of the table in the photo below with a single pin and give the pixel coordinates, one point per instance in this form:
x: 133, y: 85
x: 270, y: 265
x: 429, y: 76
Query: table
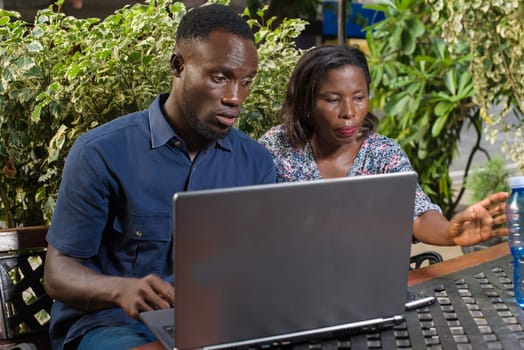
x: 475, y: 309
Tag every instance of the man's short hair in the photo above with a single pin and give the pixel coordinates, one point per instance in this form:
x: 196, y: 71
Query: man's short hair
x: 199, y: 22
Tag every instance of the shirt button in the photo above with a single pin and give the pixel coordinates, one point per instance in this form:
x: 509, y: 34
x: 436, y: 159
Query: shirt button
x: 176, y: 143
x: 138, y: 233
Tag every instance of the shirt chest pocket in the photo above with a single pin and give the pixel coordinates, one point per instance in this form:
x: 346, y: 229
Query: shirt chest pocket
x: 146, y: 245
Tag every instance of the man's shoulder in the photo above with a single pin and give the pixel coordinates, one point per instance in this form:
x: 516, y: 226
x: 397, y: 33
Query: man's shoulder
x: 240, y: 139
x: 119, y: 126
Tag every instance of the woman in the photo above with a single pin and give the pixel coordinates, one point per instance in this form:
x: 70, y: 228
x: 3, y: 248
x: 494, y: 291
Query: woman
x: 328, y: 132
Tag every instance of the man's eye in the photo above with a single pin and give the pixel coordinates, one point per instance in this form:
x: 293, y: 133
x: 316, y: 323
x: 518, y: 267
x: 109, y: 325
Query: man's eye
x: 247, y: 82
x: 218, y: 78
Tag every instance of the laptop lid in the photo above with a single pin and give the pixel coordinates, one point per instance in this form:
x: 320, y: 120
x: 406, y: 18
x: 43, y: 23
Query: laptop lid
x: 295, y: 260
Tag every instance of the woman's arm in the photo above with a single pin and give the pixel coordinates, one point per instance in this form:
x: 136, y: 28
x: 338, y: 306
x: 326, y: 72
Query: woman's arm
x: 473, y: 225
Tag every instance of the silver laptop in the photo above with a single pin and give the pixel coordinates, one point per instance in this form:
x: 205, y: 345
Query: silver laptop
x: 288, y: 262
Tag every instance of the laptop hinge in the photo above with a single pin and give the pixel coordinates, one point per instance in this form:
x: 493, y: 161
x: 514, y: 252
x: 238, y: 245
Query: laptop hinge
x: 325, y: 332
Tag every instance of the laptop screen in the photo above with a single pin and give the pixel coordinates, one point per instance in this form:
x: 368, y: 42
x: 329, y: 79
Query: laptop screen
x: 279, y: 261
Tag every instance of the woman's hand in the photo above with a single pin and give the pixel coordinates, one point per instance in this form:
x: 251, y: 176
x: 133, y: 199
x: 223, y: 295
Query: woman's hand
x: 480, y: 221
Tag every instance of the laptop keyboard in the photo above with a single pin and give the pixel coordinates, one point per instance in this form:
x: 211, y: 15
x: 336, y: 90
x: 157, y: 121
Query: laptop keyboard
x: 474, y: 309
x: 169, y: 329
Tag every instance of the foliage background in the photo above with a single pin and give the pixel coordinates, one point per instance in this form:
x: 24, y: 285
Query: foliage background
x: 424, y: 90
x: 61, y: 76
x: 494, y: 31
x: 487, y: 179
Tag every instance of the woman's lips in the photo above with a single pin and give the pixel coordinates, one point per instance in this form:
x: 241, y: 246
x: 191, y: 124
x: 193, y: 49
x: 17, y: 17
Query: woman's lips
x: 347, y: 131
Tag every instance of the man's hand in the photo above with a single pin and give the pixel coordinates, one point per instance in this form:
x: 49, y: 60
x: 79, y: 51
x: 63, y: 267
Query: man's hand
x: 479, y: 222
x: 68, y: 280
x: 144, y: 294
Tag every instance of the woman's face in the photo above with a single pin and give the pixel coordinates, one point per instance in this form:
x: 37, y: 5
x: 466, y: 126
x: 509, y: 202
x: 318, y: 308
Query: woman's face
x: 340, y: 105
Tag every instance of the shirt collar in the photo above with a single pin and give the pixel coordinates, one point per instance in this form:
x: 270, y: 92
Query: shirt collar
x: 225, y: 143
x: 162, y: 132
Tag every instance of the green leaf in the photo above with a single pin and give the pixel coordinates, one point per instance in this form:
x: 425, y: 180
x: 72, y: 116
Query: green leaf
x: 376, y: 7
x: 73, y: 71
x: 395, y: 40
x: 35, y: 46
x: 450, y: 81
x: 26, y: 95
x: 397, y: 104
x: 465, y: 84
x: 387, y: 3
x: 443, y: 108
x: 377, y: 74
x: 407, y: 42
x: 439, y: 124
x: 40, y: 194
x: 390, y: 70
x: 440, y: 48
x: 37, y: 32
x: 371, y: 43
x: 35, y: 115
x: 25, y: 63
x: 405, y: 4
x: 415, y: 27
x: 4, y: 20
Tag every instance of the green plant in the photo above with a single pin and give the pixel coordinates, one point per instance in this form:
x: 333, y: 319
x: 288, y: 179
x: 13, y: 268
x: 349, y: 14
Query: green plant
x: 494, y: 31
x: 424, y: 90
x: 61, y: 76
x: 487, y: 179
x: 287, y: 9
x: 482, y: 181
x: 278, y: 55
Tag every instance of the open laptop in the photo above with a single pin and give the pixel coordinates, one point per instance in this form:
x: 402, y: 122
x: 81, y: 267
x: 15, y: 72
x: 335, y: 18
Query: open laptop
x: 288, y: 262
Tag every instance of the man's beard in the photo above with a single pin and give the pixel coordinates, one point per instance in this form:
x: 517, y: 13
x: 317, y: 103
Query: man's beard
x: 203, y: 130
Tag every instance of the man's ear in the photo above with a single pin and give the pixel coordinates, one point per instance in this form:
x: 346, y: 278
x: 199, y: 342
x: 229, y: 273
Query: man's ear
x: 177, y: 63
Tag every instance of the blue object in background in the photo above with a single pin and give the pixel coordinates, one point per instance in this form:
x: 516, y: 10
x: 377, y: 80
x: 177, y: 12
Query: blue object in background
x: 353, y: 30
x: 515, y: 224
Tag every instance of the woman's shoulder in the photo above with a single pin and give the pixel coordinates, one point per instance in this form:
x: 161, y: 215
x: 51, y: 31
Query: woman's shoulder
x: 379, y: 138
x: 276, y: 131
x: 275, y: 139
x: 380, y: 142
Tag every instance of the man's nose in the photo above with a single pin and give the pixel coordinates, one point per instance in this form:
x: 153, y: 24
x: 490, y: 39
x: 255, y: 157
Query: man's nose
x: 233, y: 96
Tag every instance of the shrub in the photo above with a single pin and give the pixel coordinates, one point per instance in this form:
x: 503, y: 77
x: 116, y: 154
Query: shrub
x: 424, y: 91
x: 494, y: 31
x: 62, y: 76
x: 490, y: 178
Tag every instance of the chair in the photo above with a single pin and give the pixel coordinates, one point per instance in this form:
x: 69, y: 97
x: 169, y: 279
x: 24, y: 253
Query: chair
x: 423, y: 259
x: 26, y: 306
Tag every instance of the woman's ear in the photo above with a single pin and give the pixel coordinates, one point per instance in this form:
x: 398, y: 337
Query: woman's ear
x: 177, y: 63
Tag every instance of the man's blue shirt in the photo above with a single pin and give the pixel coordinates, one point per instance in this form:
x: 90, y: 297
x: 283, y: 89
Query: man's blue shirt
x: 114, y: 206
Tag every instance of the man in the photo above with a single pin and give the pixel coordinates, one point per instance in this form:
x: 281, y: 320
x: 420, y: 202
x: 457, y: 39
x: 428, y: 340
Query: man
x: 110, y: 241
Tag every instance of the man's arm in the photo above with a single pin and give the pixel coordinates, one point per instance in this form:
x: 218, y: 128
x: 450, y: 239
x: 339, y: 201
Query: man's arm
x: 67, y: 279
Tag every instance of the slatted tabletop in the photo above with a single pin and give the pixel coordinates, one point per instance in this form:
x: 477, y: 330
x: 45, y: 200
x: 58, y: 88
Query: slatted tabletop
x: 474, y: 309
